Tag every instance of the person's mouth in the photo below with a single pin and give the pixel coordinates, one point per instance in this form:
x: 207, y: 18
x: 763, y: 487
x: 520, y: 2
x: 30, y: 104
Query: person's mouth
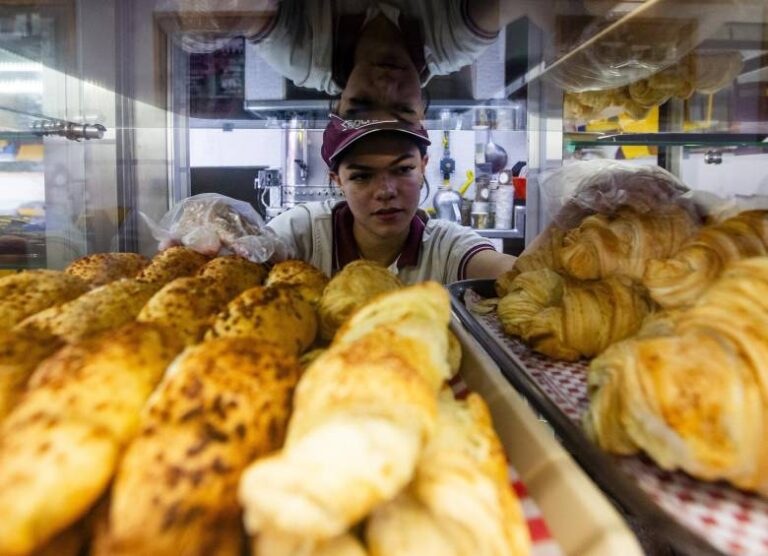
x: 387, y: 211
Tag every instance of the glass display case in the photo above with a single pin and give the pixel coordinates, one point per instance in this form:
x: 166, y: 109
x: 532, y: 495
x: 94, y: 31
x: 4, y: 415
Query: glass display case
x: 114, y: 111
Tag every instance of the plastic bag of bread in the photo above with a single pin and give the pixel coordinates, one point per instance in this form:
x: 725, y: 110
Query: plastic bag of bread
x: 214, y: 224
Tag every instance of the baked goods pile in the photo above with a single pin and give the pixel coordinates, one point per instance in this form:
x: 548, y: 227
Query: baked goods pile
x: 673, y: 311
x: 153, y: 407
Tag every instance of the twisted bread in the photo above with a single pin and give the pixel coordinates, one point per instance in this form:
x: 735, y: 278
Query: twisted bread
x: 102, y: 268
x: 278, y: 314
x: 697, y: 399
x: 680, y: 280
x: 309, y: 280
x: 357, y: 283
x: 223, y: 403
x: 602, y: 245
x: 460, y: 501
x: 26, y: 293
x: 60, y: 444
x: 362, y: 412
x: 568, y: 319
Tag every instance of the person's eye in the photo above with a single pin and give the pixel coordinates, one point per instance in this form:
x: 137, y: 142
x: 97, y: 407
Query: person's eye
x: 359, y: 178
x: 405, y: 170
x: 406, y: 110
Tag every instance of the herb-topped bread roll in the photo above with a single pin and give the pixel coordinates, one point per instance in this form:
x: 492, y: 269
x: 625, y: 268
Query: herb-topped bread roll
x: 29, y: 292
x: 306, y: 278
x: 102, y: 268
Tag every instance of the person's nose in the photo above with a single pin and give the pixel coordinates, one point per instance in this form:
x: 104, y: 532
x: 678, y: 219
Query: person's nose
x: 385, y: 189
x: 386, y: 84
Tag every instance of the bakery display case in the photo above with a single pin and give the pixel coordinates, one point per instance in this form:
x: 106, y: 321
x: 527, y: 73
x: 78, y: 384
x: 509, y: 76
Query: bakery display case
x: 113, y: 112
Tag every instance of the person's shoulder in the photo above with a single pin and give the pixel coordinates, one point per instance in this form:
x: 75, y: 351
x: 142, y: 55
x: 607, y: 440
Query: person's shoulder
x: 436, y: 228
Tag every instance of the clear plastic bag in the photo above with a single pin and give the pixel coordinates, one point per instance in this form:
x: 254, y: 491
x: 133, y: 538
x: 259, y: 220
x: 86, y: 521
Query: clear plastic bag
x: 214, y: 224
x: 573, y: 192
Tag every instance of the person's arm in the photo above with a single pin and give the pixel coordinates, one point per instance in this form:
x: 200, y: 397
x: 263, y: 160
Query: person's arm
x: 489, y: 264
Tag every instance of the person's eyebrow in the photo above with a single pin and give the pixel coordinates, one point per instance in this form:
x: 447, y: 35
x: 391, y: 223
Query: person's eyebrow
x: 398, y: 160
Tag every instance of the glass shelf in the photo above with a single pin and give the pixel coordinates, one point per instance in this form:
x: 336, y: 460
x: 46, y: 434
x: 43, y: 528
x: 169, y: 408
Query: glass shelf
x: 668, y: 139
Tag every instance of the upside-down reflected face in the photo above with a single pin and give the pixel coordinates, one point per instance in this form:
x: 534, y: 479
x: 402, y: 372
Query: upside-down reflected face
x: 381, y: 178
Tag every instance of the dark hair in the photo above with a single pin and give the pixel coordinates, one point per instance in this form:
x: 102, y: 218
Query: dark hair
x: 334, y: 101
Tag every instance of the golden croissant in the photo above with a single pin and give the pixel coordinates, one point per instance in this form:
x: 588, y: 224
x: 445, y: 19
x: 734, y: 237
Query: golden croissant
x: 603, y: 245
x: 680, y: 280
x: 358, y: 282
x: 60, y: 445
x: 544, y: 252
x: 223, y: 403
x: 29, y: 292
x: 460, y: 501
x: 362, y: 413
x: 566, y: 318
x: 695, y: 399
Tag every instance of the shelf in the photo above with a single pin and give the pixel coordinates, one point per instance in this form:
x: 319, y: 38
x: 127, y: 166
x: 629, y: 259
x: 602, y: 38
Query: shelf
x: 669, y: 139
x: 500, y: 234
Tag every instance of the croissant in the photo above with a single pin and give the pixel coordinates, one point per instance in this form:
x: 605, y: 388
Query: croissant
x: 362, y: 412
x: 603, y: 245
x: 357, y: 283
x: 459, y: 501
x: 568, y: 319
x: 223, y: 403
x: 59, y: 446
x: 694, y: 400
x: 172, y: 263
x: 278, y: 314
x: 309, y: 280
x: 26, y: 293
x: 544, y: 252
x: 680, y: 280
x: 94, y: 312
x: 102, y: 268
x: 271, y: 543
x: 716, y: 70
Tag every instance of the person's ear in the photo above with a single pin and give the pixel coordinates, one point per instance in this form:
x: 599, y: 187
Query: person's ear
x: 336, y: 180
x: 424, y: 160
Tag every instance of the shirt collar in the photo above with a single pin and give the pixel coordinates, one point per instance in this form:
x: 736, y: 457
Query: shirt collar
x: 345, y: 247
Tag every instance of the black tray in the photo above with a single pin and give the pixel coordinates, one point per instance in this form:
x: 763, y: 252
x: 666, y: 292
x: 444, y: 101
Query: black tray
x: 600, y: 466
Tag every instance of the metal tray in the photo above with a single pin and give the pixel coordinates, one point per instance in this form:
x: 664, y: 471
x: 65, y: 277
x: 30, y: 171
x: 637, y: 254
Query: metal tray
x: 618, y: 476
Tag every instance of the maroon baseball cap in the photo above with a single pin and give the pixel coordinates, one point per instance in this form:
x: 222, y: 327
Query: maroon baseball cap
x: 340, y: 134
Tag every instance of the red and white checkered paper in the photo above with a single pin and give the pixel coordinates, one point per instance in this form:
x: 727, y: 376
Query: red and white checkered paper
x: 542, y: 541
x: 733, y: 521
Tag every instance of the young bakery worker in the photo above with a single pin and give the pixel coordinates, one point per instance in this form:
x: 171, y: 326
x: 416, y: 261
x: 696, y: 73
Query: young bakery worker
x: 379, y: 167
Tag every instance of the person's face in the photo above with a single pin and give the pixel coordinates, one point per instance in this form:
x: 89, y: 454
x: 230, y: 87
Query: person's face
x: 381, y: 178
x: 384, y: 80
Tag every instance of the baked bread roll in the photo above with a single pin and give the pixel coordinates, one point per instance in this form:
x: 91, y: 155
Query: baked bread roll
x: 356, y: 284
x: 680, y: 280
x: 306, y: 278
x: 25, y: 293
x: 235, y: 272
x: 20, y: 353
x: 172, y: 263
x: 189, y: 305
x: 602, y: 246
x: 714, y: 71
x: 569, y: 319
x: 222, y: 404
x: 460, y: 501
x: 103, y: 308
x: 59, y: 446
x: 277, y: 314
x: 362, y: 412
x: 102, y: 268
x: 694, y: 400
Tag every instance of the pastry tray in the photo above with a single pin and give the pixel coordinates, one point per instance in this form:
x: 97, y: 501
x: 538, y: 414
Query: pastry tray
x: 693, y: 516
